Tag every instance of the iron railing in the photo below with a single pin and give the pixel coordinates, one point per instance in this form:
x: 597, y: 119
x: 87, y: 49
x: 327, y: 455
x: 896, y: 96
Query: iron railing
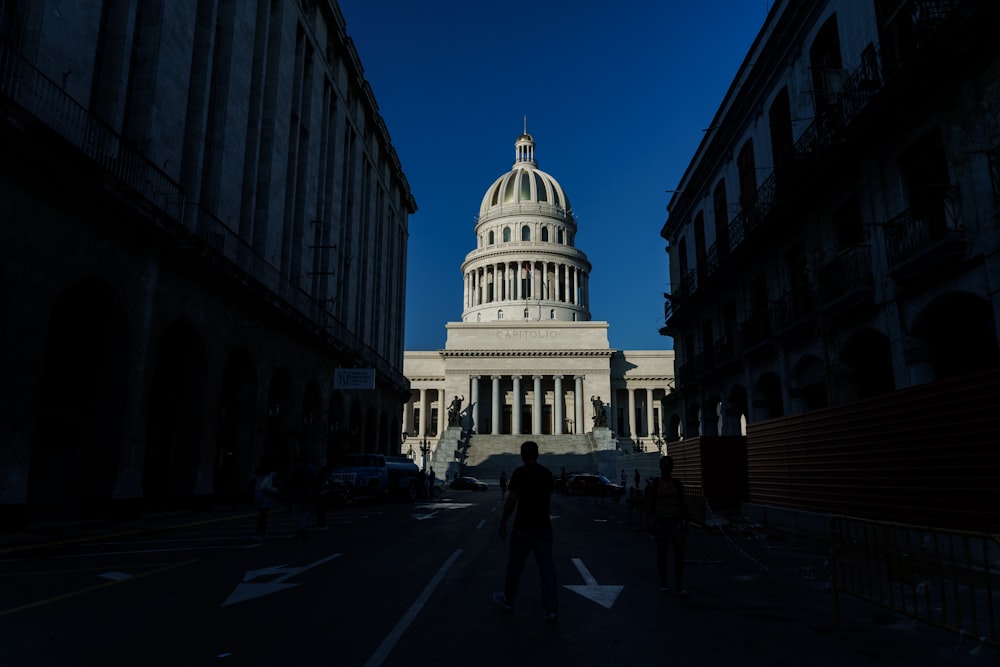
x: 947, y: 578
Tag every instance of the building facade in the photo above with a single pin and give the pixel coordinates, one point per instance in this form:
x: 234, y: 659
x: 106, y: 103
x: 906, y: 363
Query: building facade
x: 835, y: 236
x: 197, y: 203
x: 526, y: 357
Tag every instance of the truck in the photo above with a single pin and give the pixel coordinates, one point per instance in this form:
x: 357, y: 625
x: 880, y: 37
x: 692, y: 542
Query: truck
x: 374, y: 476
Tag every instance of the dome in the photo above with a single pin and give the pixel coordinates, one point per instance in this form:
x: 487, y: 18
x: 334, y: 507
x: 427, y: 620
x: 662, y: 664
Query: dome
x: 525, y: 183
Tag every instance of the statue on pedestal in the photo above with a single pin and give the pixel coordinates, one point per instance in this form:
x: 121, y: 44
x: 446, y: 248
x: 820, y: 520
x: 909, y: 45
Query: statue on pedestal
x: 455, y: 411
x: 600, y: 418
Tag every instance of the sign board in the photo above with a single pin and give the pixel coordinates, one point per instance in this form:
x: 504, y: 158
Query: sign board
x: 353, y: 378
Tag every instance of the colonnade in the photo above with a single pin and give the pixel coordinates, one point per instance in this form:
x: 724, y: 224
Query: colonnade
x: 564, y: 396
x: 527, y: 281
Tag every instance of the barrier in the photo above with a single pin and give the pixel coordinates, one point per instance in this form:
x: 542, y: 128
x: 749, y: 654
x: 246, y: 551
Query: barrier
x: 947, y: 578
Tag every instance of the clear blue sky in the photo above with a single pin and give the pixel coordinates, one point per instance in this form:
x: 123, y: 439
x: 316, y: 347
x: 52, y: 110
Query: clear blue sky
x: 616, y: 96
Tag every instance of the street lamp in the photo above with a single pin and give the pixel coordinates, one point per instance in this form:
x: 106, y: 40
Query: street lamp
x: 425, y: 448
x: 658, y: 441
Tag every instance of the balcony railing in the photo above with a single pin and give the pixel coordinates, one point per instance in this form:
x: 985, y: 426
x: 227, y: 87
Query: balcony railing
x: 849, y: 272
x: 792, y: 308
x: 935, y: 220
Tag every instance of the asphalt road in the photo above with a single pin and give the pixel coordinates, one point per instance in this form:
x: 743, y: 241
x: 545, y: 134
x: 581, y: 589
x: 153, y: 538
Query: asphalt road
x: 409, y: 584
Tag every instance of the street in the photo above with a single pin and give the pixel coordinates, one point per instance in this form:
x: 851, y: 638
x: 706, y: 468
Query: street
x: 409, y: 584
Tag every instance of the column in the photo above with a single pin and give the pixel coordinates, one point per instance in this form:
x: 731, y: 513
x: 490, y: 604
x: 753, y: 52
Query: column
x: 442, y: 412
x: 516, y: 414
x: 536, y: 281
x: 495, y: 426
x: 536, y: 413
x: 474, y: 394
x: 557, y: 407
x: 630, y: 417
x: 578, y: 403
x: 649, y: 412
x: 566, y: 269
x: 613, y: 413
x: 408, y: 415
x: 421, y: 430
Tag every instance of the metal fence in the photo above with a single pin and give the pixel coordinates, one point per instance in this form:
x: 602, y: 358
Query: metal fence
x: 947, y: 578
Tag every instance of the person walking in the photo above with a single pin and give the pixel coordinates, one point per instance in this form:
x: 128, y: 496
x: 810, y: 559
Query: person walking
x: 668, y: 521
x: 530, y: 492
x: 264, y: 493
x: 503, y: 483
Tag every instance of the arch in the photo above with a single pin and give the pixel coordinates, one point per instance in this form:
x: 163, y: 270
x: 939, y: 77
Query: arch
x: 866, y: 365
x: 83, y: 392
x: 958, y: 331
x: 767, y: 401
x: 280, y: 422
x: 525, y: 233
x: 737, y: 410
x: 312, y: 423
x: 712, y: 419
x: 809, y: 375
x: 337, y: 420
x: 675, y: 429
x: 693, y: 420
x: 176, y: 417
x: 234, y: 457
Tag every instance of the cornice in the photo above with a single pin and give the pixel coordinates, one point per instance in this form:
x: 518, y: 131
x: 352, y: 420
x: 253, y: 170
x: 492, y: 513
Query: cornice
x: 528, y: 353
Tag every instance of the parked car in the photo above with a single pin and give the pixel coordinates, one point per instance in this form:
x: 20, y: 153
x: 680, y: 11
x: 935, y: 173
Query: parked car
x: 468, y: 483
x: 594, y: 485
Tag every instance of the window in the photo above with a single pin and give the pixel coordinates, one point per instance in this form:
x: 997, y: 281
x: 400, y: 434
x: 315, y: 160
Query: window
x: 491, y: 237
x: 525, y: 313
x: 782, y: 141
x: 721, y: 220
x: 559, y: 239
x: 499, y: 314
x: 826, y: 65
x: 545, y: 233
x: 526, y: 233
x: 746, y: 167
x: 552, y: 314
x: 506, y: 234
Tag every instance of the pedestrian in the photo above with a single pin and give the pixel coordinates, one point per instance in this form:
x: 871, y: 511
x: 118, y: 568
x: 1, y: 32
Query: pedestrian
x: 301, y: 492
x: 431, y: 478
x: 503, y: 483
x: 530, y: 493
x: 264, y: 492
x: 668, y: 520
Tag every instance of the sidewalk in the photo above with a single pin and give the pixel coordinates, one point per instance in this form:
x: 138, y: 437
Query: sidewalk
x: 38, y: 535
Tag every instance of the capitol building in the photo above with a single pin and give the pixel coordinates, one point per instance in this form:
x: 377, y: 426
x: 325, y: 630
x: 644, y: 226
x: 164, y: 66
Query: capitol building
x: 526, y: 358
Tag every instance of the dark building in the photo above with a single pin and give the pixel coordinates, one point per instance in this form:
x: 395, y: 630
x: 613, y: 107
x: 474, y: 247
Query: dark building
x: 202, y: 218
x: 834, y: 251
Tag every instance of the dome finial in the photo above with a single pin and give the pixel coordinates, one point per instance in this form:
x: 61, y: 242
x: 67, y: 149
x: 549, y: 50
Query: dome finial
x: 525, y: 148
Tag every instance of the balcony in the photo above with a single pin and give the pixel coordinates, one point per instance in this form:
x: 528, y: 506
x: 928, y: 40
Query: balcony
x: 793, y: 313
x: 846, y: 282
x: 930, y: 235
x: 756, y: 334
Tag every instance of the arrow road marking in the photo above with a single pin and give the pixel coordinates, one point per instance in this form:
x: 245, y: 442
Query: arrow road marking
x: 602, y: 595
x: 248, y: 591
x: 421, y: 517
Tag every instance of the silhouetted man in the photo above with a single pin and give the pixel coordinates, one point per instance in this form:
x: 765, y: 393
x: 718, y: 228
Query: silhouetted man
x: 530, y: 491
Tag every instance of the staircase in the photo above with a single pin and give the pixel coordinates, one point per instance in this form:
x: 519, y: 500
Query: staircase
x: 489, y: 454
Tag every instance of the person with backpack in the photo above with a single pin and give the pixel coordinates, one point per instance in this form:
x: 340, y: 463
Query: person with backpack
x: 668, y: 515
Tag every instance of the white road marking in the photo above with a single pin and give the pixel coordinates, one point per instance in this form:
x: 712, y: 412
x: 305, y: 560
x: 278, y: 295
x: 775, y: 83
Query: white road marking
x: 480, y: 524
x: 602, y: 595
x: 115, y: 576
x: 247, y: 591
x: 390, y: 641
